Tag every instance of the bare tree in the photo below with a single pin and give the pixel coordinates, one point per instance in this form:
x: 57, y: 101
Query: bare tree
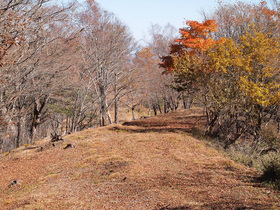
x: 162, y: 85
x: 235, y: 19
x: 106, y: 45
x: 36, y: 65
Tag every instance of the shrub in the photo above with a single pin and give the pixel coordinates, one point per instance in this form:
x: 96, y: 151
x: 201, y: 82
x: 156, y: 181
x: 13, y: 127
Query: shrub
x: 243, y: 152
x: 271, y: 169
x: 269, y: 137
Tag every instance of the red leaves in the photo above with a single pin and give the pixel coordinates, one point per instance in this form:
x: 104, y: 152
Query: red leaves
x: 195, y: 39
x: 197, y: 35
x: 167, y: 63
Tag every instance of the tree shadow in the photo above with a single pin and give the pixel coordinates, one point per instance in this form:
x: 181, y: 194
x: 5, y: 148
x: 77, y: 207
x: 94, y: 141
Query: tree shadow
x: 169, y: 123
x: 175, y: 208
x: 155, y: 129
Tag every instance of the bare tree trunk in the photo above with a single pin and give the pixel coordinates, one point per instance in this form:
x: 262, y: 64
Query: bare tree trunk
x: 18, y: 132
x: 74, y: 117
x: 37, y: 111
x: 102, y: 105
x: 133, y: 113
x: 165, y: 107
x: 159, y: 108
x: 149, y: 110
x: 155, y: 109
x: 190, y: 102
x: 185, y: 103
x: 66, y: 126
x: 116, y: 111
x: 109, y: 115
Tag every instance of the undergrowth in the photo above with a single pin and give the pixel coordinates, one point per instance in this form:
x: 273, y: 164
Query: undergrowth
x: 271, y: 170
x: 263, y: 155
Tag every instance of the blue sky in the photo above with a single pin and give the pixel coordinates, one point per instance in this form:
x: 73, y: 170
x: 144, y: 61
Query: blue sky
x: 139, y: 15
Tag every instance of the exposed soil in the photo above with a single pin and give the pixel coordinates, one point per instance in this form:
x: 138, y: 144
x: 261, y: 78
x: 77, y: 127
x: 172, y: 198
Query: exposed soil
x: 152, y: 163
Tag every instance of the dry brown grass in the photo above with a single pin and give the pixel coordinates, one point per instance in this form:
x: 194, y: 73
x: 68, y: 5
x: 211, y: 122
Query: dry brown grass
x: 145, y: 164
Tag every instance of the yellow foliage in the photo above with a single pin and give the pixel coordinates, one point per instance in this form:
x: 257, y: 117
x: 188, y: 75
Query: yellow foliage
x: 254, y: 62
x: 226, y: 70
x: 260, y: 78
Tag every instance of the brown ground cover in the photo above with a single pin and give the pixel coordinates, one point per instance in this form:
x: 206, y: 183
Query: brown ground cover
x: 152, y: 163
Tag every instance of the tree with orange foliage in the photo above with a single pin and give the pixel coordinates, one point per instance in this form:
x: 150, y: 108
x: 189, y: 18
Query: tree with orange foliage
x: 195, y: 39
x: 237, y: 82
x: 187, y: 59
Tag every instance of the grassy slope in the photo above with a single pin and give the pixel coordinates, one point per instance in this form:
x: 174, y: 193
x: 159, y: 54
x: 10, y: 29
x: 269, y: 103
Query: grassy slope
x: 146, y: 164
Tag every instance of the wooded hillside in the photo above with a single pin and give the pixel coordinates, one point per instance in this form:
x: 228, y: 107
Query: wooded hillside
x: 67, y: 69
x: 64, y: 69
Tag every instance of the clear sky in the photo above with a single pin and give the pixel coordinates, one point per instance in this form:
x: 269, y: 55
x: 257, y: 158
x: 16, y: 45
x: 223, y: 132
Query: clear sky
x: 139, y: 15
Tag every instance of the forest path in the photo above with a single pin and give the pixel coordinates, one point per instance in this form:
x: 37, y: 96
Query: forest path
x: 152, y: 163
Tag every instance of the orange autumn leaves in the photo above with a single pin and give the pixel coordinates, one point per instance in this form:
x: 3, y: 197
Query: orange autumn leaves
x: 196, y: 58
x: 196, y: 35
x: 195, y: 39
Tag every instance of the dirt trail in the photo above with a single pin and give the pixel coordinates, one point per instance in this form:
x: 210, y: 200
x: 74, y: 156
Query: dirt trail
x: 146, y: 164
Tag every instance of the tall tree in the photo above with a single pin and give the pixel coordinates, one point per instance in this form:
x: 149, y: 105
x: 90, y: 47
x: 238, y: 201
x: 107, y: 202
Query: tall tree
x: 234, y: 19
x: 238, y: 82
x: 106, y: 45
x: 162, y: 90
x: 35, y: 65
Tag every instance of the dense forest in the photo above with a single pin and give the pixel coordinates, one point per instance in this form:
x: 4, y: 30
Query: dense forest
x: 67, y: 68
